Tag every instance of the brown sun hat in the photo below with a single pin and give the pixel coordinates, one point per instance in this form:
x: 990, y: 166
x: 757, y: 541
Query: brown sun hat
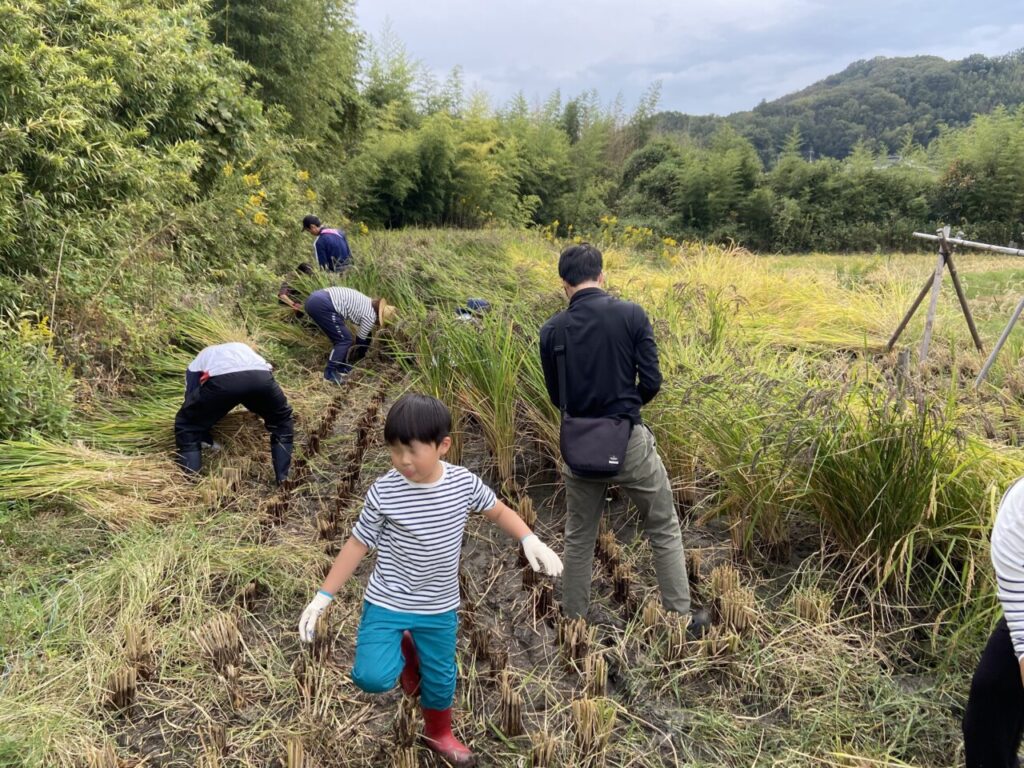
x: 386, y: 313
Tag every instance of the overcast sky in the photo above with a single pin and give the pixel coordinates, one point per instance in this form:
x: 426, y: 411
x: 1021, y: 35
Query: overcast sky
x: 715, y: 56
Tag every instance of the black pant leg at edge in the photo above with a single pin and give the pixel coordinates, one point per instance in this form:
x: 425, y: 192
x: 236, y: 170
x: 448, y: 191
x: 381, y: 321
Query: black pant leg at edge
x: 995, y: 708
x: 207, y: 405
x: 263, y: 396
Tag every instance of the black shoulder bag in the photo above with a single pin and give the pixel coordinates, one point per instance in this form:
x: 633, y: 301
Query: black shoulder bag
x: 592, y: 447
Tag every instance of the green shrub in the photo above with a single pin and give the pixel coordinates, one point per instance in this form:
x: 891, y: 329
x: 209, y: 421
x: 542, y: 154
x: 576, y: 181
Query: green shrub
x: 36, y: 390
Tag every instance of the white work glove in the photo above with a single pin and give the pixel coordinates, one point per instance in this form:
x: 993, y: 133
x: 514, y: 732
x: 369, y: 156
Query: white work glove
x: 541, y: 556
x: 307, y: 624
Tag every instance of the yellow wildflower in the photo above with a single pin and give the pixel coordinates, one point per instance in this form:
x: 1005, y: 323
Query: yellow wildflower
x: 255, y: 199
x: 229, y: 169
x: 251, y: 179
x: 260, y: 218
x: 302, y: 175
x: 310, y: 194
x: 363, y: 229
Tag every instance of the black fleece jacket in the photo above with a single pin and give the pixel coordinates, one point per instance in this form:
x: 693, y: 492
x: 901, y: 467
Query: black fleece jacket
x: 611, y: 361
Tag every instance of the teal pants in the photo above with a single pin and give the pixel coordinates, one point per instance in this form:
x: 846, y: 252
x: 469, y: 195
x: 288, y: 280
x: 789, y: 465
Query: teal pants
x: 379, y: 657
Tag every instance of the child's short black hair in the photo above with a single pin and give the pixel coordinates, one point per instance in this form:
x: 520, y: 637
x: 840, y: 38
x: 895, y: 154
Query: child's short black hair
x: 310, y: 221
x: 580, y: 263
x: 417, y: 417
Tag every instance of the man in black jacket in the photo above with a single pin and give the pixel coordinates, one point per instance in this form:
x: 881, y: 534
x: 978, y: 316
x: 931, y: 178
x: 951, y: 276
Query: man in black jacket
x: 611, y: 362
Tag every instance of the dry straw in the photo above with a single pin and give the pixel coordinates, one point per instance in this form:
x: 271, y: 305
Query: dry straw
x: 406, y: 721
x: 102, y: 757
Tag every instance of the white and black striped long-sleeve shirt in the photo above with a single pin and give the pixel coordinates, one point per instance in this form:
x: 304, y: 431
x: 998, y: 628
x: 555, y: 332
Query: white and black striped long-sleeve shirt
x: 355, y: 307
x: 417, y: 530
x: 1008, y: 560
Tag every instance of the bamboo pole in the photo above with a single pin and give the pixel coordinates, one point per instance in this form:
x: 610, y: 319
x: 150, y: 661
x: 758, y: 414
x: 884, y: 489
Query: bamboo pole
x: 971, y: 243
x: 999, y: 344
x: 929, y: 322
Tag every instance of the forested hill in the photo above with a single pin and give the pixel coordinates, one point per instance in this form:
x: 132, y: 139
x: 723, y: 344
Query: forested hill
x: 884, y: 101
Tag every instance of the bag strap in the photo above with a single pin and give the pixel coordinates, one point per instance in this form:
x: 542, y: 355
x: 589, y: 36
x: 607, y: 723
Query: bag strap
x: 561, y: 340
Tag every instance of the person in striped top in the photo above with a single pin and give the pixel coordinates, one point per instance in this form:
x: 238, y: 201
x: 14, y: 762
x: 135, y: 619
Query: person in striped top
x: 414, y: 517
x: 994, y: 719
x: 331, y: 309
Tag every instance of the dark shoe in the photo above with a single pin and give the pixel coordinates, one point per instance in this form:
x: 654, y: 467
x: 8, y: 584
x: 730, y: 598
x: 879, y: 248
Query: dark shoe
x: 190, y: 459
x: 281, y: 457
x: 438, y: 736
x: 699, y: 624
x: 410, y: 677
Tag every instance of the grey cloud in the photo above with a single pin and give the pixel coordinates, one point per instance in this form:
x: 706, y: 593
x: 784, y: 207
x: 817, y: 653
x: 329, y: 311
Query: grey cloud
x: 711, y: 57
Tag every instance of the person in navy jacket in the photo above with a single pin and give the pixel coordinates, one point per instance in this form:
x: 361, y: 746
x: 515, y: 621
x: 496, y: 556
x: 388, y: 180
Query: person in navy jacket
x: 330, y: 245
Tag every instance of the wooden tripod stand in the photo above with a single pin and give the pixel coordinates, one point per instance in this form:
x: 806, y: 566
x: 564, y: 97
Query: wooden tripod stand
x: 934, y: 284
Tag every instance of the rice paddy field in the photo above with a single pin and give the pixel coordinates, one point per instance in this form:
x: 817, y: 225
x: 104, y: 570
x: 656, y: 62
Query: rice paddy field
x: 836, y: 500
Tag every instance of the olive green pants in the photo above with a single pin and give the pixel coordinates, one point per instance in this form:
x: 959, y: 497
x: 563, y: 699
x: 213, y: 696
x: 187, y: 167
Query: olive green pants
x: 644, y: 480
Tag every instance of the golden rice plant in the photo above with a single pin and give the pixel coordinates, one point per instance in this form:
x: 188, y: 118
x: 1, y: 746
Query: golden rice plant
x: 544, y: 601
x: 652, y: 615
x: 723, y: 578
x: 480, y: 643
x: 530, y: 578
x: 511, y: 708
x: 608, y: 550
x: 622, y: 583
x: 214, y: 738
x: 594, y: 721
x: 575, y: 637
x: 323, y: 640
x: 719, y: 641
x: 527, y: 511
x: 406, y: 758
x: 121, y: 687
x: 737, y: 608
x: 499, y: 661
x: 543, y: 749
x: 220, y: 640
x: 595, y: 674
x: 296, y: 753
x: 114, y: 488
x: 138, y: 647
x: 694, y: 561
x: 812, y: 605
x: 675, y: 638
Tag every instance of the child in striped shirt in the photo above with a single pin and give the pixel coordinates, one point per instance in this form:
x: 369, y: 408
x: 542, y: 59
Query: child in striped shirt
x: 414, y: 517
x: 994, y: 718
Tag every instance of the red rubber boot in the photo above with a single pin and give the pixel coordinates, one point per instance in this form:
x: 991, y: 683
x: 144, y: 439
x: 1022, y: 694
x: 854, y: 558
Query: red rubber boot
x: 410, y: 677
x: 437, y: 733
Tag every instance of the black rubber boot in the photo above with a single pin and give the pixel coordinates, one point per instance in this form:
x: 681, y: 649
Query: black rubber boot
x: 281, y: 456
x: 190, y: 459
